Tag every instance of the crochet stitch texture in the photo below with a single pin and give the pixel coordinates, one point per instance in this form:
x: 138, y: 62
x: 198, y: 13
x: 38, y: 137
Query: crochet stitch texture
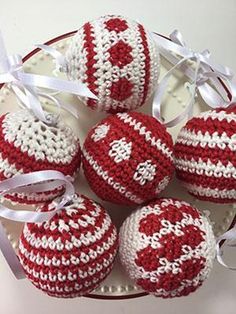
x: 117, y: 59
x: 205, y: 156
x: 167, y: 247
x: 127, y: 158
x: 27, y: 144
x: 72, y: 253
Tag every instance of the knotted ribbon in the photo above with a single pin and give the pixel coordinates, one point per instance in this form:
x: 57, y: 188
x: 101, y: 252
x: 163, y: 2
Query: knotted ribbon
x: 39, y: 181
x: 25, y: 85
x: 205, y: 74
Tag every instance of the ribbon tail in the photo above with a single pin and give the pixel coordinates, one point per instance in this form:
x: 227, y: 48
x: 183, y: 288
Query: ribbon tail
x: 156, y: 106
x: 210, y: 96
x: 170, y: 45
x: 10, y: 255
x: 228, y: 235
x: 60, y: 60
x: 69, y: 107
x: 42, y: 81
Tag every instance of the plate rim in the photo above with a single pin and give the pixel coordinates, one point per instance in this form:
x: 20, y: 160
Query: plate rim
x: 93, y: 295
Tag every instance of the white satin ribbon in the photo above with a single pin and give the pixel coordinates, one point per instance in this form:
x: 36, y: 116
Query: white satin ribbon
x: 59, y: 58
x: 206, y: 73
x: 38, y: 181
x: 24, y: 84
x: 229, y: 235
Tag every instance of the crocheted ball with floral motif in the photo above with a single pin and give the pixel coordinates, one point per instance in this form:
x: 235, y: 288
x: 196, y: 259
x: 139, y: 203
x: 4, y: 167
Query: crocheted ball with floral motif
x: 117, y: 59
x: 205, y: 156
x: 71, y: 254
x: 167, y: 247
x: 27, y: 144
x: 127, y: 158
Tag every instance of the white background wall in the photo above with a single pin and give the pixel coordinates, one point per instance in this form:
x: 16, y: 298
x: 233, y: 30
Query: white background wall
x: 205, y: 24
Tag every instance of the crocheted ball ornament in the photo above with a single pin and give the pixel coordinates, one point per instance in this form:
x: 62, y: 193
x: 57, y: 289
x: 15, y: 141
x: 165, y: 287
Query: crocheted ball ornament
x: 205, y: 156
x: 27, y: 144
x: 127, y: 158
x: 72, y: 253
x: 167, y: 247
x: 117, y: 59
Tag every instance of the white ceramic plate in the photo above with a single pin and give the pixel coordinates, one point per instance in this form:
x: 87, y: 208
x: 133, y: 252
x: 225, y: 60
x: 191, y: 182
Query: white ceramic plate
x: 117, y: 285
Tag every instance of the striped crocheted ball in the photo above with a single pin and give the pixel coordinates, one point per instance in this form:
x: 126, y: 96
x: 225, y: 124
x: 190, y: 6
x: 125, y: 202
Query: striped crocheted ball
x: 127, y: 158
x: 117, y: 59
x: 71, y: 254
x: 27, y: 144
x: 205, y: 156
x: 167, y: 247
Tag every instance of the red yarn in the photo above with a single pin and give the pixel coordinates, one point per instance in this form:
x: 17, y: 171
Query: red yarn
x: 205, y: 156
x: 116, y: 24
x: 16, y: 160
x: 72, y: 253
x: 127, y: 158
x: 89, y: 46
x: 167, y: 247
x: 147, y: 61
x: 118, y: 61
x: 120, y: 54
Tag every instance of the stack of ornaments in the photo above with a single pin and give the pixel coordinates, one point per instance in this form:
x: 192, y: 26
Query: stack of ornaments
x: 166, y: 245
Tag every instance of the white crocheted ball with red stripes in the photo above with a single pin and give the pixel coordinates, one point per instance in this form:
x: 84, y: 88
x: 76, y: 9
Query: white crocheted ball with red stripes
x: 27, y: 145
x: 205, y: 156
x: 167, y: 247
x: 117, y: 59
x: 127, y: 158
x: 72, y: 253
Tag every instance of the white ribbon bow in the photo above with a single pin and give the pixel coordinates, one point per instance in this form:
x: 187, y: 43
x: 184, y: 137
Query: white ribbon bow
x: 24, y: 85
x: 205, y: 74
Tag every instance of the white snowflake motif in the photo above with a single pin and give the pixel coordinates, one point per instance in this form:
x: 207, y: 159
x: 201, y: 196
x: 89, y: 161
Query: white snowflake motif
x: 162, y: 184
x: 120, y: 150
x: 145, y: 171
x: 100, y: 132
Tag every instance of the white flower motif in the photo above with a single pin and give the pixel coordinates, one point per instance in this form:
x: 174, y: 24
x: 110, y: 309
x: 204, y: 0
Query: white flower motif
x: 120, y: 150
x: 162, y: 184
x: 145, y: 171
x: 100, y: 132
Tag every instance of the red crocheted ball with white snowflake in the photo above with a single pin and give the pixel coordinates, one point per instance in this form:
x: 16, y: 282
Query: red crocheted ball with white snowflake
x: 72, y: 253
x: 205, y: 156
x: 127, y: 158
x: 117, y: 59
x: 167, y: 247
x: 27, y: 144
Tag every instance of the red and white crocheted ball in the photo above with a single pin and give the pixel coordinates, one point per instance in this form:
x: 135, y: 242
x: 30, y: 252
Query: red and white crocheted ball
x: 117, y: 59
x: 127, y: 158
x: 205, y: 156
x: 27, y: 144
x: 71, y: 254
x: 167, y: 247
